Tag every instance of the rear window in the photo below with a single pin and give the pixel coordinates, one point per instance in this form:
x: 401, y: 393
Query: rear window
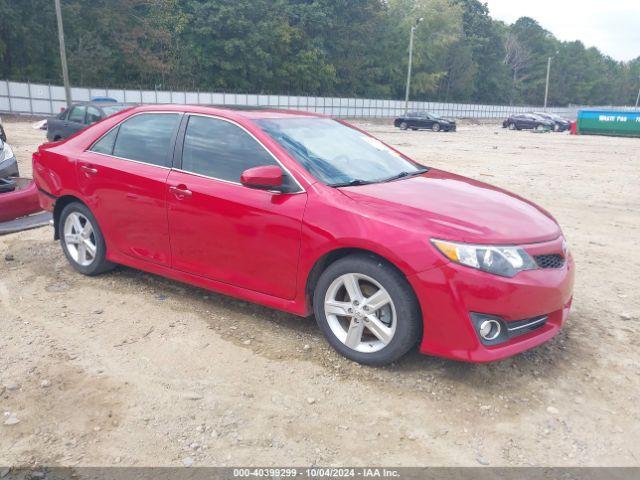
x: 147, y: 138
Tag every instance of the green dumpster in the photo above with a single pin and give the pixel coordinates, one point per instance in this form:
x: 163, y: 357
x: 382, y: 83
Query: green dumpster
x: 609, y: 122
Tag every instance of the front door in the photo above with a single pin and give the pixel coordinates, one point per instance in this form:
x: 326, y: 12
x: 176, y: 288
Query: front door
x: 426, y: 121
x: 223, y: 230
x: 123, y: 180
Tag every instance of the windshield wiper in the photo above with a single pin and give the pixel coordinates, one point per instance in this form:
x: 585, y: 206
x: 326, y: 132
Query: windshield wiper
x: 351, y: 183
x: 405, y: 174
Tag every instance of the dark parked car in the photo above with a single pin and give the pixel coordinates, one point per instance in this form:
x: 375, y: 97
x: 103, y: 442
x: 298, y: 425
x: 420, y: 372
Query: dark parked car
x: 79, y: 116
x: 527, y: 121
x: 560, y: 124
x: 418, y: 120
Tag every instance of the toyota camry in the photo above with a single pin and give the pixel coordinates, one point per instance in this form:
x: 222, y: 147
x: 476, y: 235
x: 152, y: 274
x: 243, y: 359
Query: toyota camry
x: 312, y: 216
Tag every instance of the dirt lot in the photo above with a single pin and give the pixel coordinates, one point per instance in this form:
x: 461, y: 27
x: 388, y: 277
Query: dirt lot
x: 131, y: 369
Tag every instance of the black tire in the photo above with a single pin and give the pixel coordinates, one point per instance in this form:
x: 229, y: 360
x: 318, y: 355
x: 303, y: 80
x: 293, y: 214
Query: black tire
x: 409, y: 319
x: 404, y: 125
x: 414, y: 129
x: 99, y: 264
x: 435, y: 127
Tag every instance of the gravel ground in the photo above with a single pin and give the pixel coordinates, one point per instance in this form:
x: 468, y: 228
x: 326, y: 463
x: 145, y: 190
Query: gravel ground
x: 132, y: 369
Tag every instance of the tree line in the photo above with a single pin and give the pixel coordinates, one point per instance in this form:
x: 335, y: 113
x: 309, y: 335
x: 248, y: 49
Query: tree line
x: 309, y: 47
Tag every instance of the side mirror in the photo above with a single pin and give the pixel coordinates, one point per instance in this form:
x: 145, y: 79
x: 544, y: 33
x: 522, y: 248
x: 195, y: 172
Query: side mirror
x: 268, y: 177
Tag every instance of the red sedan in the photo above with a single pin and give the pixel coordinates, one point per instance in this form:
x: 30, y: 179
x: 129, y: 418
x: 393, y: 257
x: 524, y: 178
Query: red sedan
x: 311, y: 216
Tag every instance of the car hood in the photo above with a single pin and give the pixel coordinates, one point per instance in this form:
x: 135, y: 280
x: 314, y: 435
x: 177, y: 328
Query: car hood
x: 452, y: 207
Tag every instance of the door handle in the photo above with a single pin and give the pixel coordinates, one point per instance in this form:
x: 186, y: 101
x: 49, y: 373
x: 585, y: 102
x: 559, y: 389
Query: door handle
x: 88, y: 169
x: 180, y: 191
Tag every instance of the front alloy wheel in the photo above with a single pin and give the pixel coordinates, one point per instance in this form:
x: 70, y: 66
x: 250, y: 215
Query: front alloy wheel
x: 367, y: 310
x: 360, y: 312
x: 404, y: 126
x: 436, y: 127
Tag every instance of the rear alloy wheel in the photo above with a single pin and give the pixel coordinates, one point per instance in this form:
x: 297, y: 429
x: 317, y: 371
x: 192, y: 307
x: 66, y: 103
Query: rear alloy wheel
x: 404, y: 126
x: 367, y: 310
x: 82, y: 240
x: 540, y: 128
x: 512, y: 126
x: 435, y: 127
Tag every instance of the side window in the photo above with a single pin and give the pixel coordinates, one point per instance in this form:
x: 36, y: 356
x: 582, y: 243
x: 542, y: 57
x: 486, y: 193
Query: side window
x: 147, y: 138
x: 93, y: 115
x: 106, y: 143
x: 219, y: 149
x: 77, y: 114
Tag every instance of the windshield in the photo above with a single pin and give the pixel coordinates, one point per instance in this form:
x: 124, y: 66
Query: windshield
x: 111, y: 109
x: 336, y: 154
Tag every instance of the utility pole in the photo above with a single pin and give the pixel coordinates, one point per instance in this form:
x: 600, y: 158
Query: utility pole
x: 546, y: 88
x: 406, y: 95
x: 63, y: 54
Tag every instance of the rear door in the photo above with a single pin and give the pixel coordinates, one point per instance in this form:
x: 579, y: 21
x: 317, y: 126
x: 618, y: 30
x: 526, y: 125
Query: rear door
x: 521, y: 121
x: 413, y: 119
x: 530, y: 121
x: 122, y: 177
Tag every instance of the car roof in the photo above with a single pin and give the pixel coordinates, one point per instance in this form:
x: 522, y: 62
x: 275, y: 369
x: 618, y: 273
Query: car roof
x: 230, y: 111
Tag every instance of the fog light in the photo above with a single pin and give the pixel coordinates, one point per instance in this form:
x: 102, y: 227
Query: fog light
x: 490, y: 329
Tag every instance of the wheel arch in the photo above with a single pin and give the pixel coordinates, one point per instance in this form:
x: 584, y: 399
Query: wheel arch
x: 330, y: 257
x: 62, y: 202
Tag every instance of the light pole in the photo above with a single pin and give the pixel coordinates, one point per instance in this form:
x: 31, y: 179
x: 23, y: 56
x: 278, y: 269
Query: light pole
x: 406, y: 95
x: 546, y: 87
x: 638, y: 99
x: 63, y: 54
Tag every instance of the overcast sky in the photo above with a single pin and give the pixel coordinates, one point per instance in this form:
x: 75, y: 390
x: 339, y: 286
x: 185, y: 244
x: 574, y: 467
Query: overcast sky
x: 613, y: 26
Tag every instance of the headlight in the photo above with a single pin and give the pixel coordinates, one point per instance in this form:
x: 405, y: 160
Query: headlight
x: 503, y: 261
x: 5, y: 151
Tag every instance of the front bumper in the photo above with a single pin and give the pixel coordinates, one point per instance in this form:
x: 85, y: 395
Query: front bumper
x: 449, y: 294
